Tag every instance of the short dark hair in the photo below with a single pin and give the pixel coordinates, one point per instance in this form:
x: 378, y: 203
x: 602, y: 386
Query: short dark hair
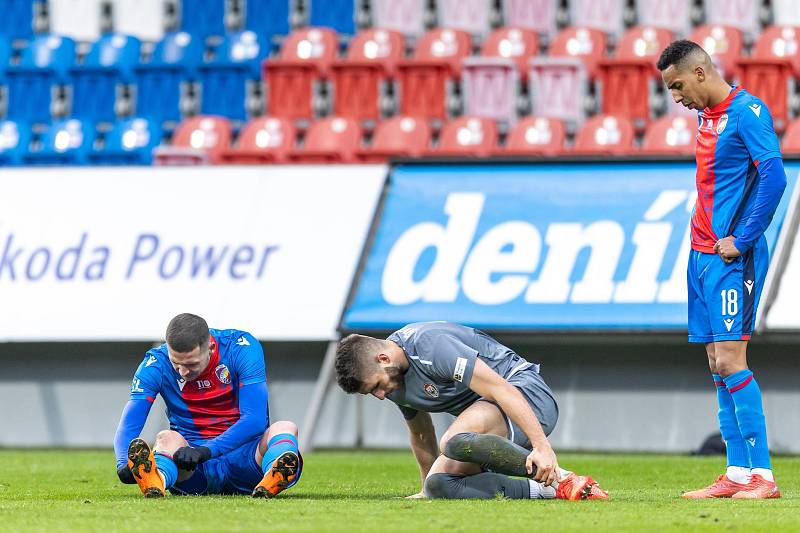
x: 353, y: 361
x: 677, y: 52
x: 186, y: 331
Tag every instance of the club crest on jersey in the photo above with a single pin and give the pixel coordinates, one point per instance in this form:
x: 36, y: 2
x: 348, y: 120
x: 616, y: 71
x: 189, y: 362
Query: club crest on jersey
x: 223, y: 374
x: 723, y: 121
x: 431, y: 390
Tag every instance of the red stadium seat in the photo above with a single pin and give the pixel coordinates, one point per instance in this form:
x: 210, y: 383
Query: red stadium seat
x: 723, y: 43
x: 671, y: 135
x: 586, y: 44
x: 536, y: 15
x: 331, y: 139
x: 604, y: 15
x: 535, y: 136
x: 371, y: 61
x: 467, y: 137
x: 605, y: 135
x: 790, y: 144
x: 491, y: 82
x: 305, y: 58
x: 771, y: 70
x: 673, y: 15
x: 396, y: 137
x: 424, y: 79
x: 262, y: 140
x: 742, y: 14
x: 629, y: 79
x: 197, y: 141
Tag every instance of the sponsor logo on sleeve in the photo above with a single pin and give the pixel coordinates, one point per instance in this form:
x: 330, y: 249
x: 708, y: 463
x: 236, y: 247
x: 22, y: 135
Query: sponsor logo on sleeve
x: 461, y: 365
x: 136, y: 385
x: 150, y: 361
x: 756, y: 109
x: 241, y: 341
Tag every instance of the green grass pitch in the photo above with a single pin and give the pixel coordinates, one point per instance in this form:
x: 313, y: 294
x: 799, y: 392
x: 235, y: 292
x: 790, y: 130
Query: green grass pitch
x: 55, y: 490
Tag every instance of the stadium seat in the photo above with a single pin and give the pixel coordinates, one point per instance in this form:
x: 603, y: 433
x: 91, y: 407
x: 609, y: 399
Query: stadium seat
x: 491, y: 84
x: 786, y: 12
x: 670, y: 135
x: 304, y: 61
x: 425, y: 79
x: 262, y: 140
x: 629, y: 79
x: 741, y: 14
x: 672, y: 15
x: 328, y: 140
x: 236, y: 61
x: 197, y: 141
x: 129, y: 142
x: 17, y: 19
x: 585, y: 44
x: 535, y: 136
x: 143, y: 19
x: 339, y: 15
x: 202, y: 18
x: 64, y: 142
x: 472, y: 16
x: 771, y: 70
x: 359, y: 79
x: 44, y: 63
x: 78, y: 19
x: 399, y: 136
x: 267, y: 17
x: 604, y: 15
x: 605, y: 135
x: 536, y: 15
x: 723, y: 43
x: 790, y: 144
x: 14, y: 141
x: 110, y: 61
x: 467, y: 137
x: 405, y: 16
x: 159, y: 81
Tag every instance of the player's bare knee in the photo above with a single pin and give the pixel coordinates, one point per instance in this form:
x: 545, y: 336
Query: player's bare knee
x: 437, y: 486
x: 459, y: 446
x: 283, y: 426
x: 169, y: 441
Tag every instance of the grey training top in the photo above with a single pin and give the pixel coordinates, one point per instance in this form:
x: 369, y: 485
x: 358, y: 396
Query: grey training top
x: 441, y: 359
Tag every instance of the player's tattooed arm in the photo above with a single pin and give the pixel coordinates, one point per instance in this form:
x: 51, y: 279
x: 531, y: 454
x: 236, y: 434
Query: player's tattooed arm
x: 423, y: 443
x: 490, y: 385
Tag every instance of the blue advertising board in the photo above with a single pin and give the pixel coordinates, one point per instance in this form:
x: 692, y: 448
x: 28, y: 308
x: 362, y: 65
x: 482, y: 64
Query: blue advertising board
x: 551, y: 246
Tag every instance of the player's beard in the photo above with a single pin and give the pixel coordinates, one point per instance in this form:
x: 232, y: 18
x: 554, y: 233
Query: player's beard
x: 395, y: 376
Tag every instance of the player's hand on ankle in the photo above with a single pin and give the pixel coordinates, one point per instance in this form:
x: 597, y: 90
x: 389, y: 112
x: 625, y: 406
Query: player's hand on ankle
x: 125, y: 475
x: 188, y: 457
x: 543, y: 464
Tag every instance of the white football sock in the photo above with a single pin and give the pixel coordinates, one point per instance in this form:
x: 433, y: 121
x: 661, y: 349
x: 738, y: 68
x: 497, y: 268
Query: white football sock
x: 738, y: 474
x: 539, y: 491
x: 766, y: 473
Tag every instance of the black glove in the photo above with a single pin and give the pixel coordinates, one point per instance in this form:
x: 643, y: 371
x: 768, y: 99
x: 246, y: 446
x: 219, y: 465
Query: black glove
x: 125, y: 475
x: 187, y: 458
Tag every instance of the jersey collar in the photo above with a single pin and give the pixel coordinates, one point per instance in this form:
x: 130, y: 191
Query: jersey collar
x: 723, y: 105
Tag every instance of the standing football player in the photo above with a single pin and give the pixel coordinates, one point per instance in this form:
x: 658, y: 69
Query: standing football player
x: 740, y: 181
x: 220, y: 441
x: 504, y: 411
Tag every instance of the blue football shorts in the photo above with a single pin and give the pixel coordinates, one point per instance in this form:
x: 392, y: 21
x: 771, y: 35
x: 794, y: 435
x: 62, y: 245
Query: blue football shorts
x: 235, y: 472
x: 724, y: 297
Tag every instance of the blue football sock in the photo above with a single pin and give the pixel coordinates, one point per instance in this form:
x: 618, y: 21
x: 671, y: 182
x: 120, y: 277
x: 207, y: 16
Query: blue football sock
x: 750, y: 416
x: 737, y: 450
x: 168, y: 469
x: 279, y: 444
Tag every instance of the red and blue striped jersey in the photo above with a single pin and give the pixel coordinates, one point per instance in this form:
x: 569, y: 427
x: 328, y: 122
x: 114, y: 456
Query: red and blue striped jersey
x: 734, y: 138
x: 207, y: 406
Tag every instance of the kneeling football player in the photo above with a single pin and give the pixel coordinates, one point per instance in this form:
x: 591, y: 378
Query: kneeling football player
x: 504, y: 411
x: 220, y: 440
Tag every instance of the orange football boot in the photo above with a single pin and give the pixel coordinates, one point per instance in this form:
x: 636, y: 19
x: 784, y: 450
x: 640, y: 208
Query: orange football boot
x: 283, y: 471
x: 142, y: 463
x: 723, y: 487
x: 758, y: 489
x: 575, y: 487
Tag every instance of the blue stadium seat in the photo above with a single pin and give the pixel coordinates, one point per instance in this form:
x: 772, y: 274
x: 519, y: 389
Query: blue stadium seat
x: 110, y: 61
x: 64, y: 142
x: 202, y: 18
x: 337, y: 14
x: 130, y: 142
x: 267, y: 17
x: 17, y: 19
x: 236, y: 60
x: 158, y: 82
x: 45, y: 62
x: 14, y: 140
